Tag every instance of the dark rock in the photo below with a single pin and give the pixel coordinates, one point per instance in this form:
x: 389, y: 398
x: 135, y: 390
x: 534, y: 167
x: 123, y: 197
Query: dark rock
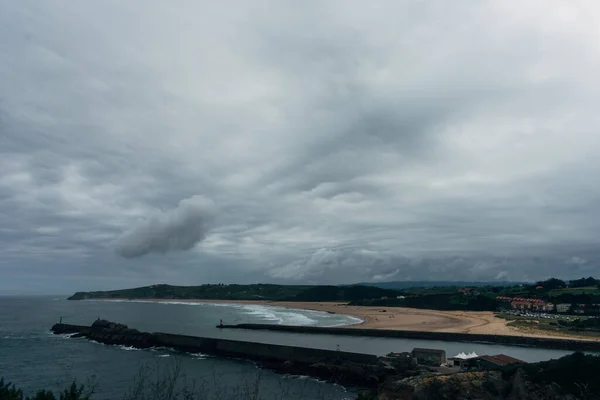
x: 107, y: 332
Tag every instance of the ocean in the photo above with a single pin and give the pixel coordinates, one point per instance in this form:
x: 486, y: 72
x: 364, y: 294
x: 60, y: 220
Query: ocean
x: 33, y: 358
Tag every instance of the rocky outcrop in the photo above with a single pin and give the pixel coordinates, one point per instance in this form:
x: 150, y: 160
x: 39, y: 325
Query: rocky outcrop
x: 107, y: 332
x: 336, y: 371
x: 480, y: 385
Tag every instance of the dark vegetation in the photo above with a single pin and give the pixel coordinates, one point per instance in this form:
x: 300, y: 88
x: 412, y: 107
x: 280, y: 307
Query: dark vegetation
x: 440, y: 301
x: 582, y: 324
x: 447, y: 297
x: 483, y: 298
x: 571, y: 377
x: 169, y: 381
x: 401, y: 285
x: 243, y: 292
x: 578, y: 291
x: 8, y: 391
x: 342, y: 293
x: 584, y: 282
x: 575, y: 374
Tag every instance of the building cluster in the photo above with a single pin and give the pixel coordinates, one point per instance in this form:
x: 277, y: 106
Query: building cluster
x: 526, y: 304
x: 537, y: 305
x: 473, y: 361
x: 429, y: 357
x: 437, y: 358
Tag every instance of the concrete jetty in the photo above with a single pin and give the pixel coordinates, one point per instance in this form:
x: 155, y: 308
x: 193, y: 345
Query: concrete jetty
x: 548, y: 343
x: 342, y: 367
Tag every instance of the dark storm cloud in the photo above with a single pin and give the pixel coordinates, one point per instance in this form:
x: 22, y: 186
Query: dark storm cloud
x: 178, y: 229
x: 341, y: 141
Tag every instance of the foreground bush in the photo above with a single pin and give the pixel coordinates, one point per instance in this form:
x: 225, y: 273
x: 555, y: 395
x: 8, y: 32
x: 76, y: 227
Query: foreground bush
x: 74, y: 392
x: 169, y: 382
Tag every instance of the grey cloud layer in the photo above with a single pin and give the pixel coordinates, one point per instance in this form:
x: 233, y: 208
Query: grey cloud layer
x: 340, y: 141
x: 178, y: 229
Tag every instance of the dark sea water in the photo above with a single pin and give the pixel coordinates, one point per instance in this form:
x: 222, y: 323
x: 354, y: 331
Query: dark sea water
x: 33, y: 358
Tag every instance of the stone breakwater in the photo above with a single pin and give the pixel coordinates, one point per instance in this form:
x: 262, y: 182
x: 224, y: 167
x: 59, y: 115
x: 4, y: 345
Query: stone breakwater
x: 346, y: 368
x: 548, y: 343
x: 385, y: 378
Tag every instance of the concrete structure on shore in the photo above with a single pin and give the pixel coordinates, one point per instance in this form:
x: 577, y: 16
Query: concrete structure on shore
x: 461, y: 359
x: 336, y: 366
x: 431, y: 357
x: 542, y: 342
x: 113, y: 333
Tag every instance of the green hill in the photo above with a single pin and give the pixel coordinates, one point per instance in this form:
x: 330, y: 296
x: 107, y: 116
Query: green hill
x: 398, y: 285
x: 244, y: 292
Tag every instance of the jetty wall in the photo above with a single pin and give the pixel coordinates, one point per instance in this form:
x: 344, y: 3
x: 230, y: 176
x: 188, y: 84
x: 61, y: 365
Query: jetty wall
x: 346, y: 368
x: 257, y: 351
x: 549, y: 343
x: 111, y: 333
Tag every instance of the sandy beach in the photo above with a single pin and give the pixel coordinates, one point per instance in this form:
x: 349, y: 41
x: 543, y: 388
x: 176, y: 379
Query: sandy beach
x: 400, y: 318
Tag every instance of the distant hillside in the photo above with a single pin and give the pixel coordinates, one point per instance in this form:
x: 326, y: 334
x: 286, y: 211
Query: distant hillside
x: 245, y: 292
x: 399, y: 285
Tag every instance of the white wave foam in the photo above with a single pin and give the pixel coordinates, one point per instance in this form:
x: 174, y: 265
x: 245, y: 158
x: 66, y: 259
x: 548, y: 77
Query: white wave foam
x: 264, y: 313
x: 305, y: 377
x: 67, y: 335
x: 128, y: 348
x: 350, y: 321
x: 164, y: 355
x: 162, y: 348
x: 279, y: 315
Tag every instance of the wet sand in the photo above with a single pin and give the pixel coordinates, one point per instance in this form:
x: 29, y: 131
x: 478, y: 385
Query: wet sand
x: 401, y: 318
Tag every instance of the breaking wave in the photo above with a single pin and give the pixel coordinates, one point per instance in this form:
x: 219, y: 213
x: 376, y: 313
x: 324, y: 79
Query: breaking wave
x: 268, y: 314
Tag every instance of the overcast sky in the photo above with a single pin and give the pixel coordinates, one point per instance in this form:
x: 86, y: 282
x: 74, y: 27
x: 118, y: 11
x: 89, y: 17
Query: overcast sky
x: 188, y: 142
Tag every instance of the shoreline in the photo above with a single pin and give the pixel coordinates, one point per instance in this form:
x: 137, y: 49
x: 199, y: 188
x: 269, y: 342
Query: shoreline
x: 398, y: 318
